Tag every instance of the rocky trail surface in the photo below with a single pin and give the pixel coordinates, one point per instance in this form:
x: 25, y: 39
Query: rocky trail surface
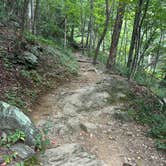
x: 81, y: 119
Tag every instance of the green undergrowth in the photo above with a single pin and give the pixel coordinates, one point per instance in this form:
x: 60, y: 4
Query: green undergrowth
x: 149, y: 111
x: 54, y: 63
x: 65, y: 54
x: 143, y: 78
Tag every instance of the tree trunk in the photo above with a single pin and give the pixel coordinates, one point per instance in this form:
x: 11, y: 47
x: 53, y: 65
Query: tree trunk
x: 31, y: 8
x: 87, y: 37
x: 72, y: 33
x: 116, y: 34
x: 134, y: 33
x: 82, y: 28
x: 91, y: 26
x: 24, y: 12
x: 134, y: 63
x: 104, y: 32
x: 158, y: 54
x: 34, y: 28
x: 65, y: 33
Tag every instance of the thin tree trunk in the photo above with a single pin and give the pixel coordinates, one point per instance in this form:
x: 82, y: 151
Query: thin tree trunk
x: 116, y: 34
x: 72, y: 33
x: 134, y: 65
x: 65, y: 33
x: 87, y: 37
x: 82, y: 27
x: 158, y: 54
x: 125, y: 53
x: 34, y: 28
x: 122, y: 43
x: 103, y: 45
x: 146, y: 46
x: 82, y: 37
x: 134, y: 33
x: 30, y: 14
x: 91, y: 26
x: 24, y: 12
x: 104, y: 32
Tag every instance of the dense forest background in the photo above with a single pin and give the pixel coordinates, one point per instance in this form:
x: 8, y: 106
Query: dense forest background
x: 125, y: 35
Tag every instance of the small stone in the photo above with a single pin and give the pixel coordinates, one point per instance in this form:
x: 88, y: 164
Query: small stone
x: 1, y: 160
x: 129, y: 133
x: 126, y: 164
x: 111, y: 138
x: 152, y: 157
x: 4, y: 136
x: 139, y: 158
x: 22, y: 150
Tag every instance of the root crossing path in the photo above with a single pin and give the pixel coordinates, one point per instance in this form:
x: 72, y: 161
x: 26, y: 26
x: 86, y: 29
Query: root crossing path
x: 81, y: 118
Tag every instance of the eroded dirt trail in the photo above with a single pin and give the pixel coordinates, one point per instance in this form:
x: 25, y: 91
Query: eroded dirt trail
x: 78, y: 113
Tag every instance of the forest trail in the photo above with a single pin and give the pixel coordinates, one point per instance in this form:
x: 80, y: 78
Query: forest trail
x: 77, y: 113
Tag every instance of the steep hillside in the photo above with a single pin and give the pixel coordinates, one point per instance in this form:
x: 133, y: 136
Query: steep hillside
x: 30, y: 65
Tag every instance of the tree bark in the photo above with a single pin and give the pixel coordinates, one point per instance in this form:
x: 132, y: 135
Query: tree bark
x: 134, y: 61
x: 134, y: 33
x: 34, y: 28
x: 91, y: 26
x: 158, y: 54
x: 65, y: 33
x: 25, y: 8
x: 116, y: 34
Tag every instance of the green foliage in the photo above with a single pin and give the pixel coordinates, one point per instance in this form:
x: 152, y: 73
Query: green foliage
x: 41, y: 144
x: 68, y: 60
x: 144, y: 79
x: 3, y: 12
x: 161, y: 145
x: 7, y: 63
x: 31, y: 93
x: 8, y: 158
x: 150, y: 112
x: 32, y: 75
x: 12, y: 138
x: 102, y: 58
x: 122, y: 70
x: 14, y: 99
x: 65, y: 55
x: 19, y: 164
x: 38, y: 39
x: 31, y: 161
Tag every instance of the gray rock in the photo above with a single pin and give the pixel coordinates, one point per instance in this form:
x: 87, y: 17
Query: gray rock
x: 36, y: 51
x: 126, y: 164
x: 30, y: 58
x: 123, y: 116
x: 1, y: 160
x: 22, y: 150
x: 12, y: 118
x: 88, y: 127
x: 69, y: 155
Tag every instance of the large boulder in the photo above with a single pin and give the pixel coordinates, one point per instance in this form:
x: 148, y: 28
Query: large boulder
x: 11, y: 118
x: 70, y: 155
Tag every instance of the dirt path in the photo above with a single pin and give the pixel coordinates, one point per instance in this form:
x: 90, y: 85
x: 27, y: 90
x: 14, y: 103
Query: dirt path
x: 113, y: 141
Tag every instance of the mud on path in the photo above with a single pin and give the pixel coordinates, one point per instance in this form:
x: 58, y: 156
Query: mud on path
x: 79, y: 115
